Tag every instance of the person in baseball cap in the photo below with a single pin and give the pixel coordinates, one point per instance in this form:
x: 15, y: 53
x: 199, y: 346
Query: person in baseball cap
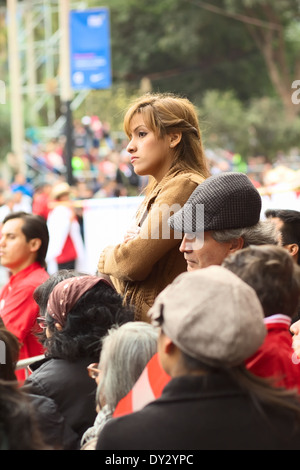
x: 221, y: 216
x: 210, y: 323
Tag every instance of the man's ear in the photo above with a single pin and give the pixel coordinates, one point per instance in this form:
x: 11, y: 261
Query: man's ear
x: 175, y: 139
x: 35, y: 244
x: 236, y: 244
x: 167, y: 353
x: 293, y: 249
x: 168, y: 345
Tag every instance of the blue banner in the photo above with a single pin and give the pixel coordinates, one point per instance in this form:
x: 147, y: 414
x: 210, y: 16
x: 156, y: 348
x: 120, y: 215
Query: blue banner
x: 90, y: 60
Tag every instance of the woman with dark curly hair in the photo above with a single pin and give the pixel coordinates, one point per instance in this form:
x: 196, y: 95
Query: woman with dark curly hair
x: 80, y: 311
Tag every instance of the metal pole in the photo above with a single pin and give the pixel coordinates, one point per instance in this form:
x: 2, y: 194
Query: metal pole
x: 49, y: 66
x: 65, y: 86
x: 17, y: 119
x: 30, y: 62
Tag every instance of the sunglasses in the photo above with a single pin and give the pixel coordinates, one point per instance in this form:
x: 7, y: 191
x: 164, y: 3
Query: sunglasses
x: 42, y: 322
x: 93, y: 370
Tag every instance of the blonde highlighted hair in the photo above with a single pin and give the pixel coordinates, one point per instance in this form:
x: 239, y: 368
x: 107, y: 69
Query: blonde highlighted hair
x: 165, y: 113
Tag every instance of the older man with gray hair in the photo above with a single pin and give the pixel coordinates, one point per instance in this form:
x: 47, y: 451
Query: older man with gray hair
x: 221, y: 216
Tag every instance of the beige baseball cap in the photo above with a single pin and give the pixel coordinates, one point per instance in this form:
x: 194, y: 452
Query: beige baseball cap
x: 211, y: 315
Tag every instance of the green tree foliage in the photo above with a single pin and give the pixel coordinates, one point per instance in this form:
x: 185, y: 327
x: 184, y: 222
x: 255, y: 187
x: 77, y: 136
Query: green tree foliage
x: 109, y: 105
x: 251, y: 129
x: 3, y: 51
x: 278, y: 41
x: 235, y: 59
x: 184, y: 49
x: 250, y: 46
x: 222, y: 118
x: 5, y: 131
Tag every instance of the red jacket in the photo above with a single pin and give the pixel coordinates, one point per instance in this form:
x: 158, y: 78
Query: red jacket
x: 275, y: 357
x: 40, y: 205
x: 19, y: 310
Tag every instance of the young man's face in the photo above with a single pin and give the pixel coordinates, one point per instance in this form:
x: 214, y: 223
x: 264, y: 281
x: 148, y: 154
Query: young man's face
x: 15, y: 252
x: 292, y: 248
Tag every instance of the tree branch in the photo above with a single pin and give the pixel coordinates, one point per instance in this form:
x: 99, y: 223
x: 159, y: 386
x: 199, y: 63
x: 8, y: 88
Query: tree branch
x: 275, y: 57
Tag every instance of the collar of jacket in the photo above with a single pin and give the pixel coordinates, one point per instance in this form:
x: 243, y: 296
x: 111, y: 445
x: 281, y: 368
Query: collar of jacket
x: 150, y: 198
x: 35, y: 365
x: 212, y: 384
x: 278, y: 321
x: 15, y: 278
x: 173, y: 171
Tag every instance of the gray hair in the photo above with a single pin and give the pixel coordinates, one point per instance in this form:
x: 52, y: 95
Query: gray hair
x: 125, y: 353
x: 263, y: 233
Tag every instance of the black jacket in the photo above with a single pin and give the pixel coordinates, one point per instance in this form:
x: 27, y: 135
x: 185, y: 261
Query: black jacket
x: 201, y: 413
x: 71, y: 393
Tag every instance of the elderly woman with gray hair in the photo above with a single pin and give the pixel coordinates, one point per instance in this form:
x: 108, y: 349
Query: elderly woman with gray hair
x: 125, y: 353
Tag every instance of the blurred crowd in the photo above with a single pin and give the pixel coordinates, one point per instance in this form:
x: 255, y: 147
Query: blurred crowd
x: 101, y: 167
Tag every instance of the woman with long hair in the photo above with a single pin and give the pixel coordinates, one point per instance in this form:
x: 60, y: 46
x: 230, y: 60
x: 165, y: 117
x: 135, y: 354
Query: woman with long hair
x: 165, y: 145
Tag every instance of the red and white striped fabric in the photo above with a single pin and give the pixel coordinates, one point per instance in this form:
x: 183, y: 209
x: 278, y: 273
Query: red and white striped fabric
x: 148, y: 387
x: 276, y: 358
x: 278, y: 319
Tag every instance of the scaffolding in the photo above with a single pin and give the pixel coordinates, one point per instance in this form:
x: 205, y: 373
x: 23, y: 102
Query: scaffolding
x: 38, y: 74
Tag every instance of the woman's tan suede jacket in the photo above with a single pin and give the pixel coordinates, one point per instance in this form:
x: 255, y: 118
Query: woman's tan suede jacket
x: 142, y: 267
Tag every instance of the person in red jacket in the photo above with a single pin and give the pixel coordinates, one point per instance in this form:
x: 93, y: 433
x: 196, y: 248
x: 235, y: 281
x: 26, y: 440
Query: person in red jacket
x: 23, y: 247
x: 40, y: 201
x: 271, y: 272
x: 66, y: 248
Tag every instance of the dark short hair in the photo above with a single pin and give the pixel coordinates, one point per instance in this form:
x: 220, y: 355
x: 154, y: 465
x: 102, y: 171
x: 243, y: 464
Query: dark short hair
x: 272, y: 273
x: 34, y: 226
x: 42, y: 292
x: 290, y: 230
